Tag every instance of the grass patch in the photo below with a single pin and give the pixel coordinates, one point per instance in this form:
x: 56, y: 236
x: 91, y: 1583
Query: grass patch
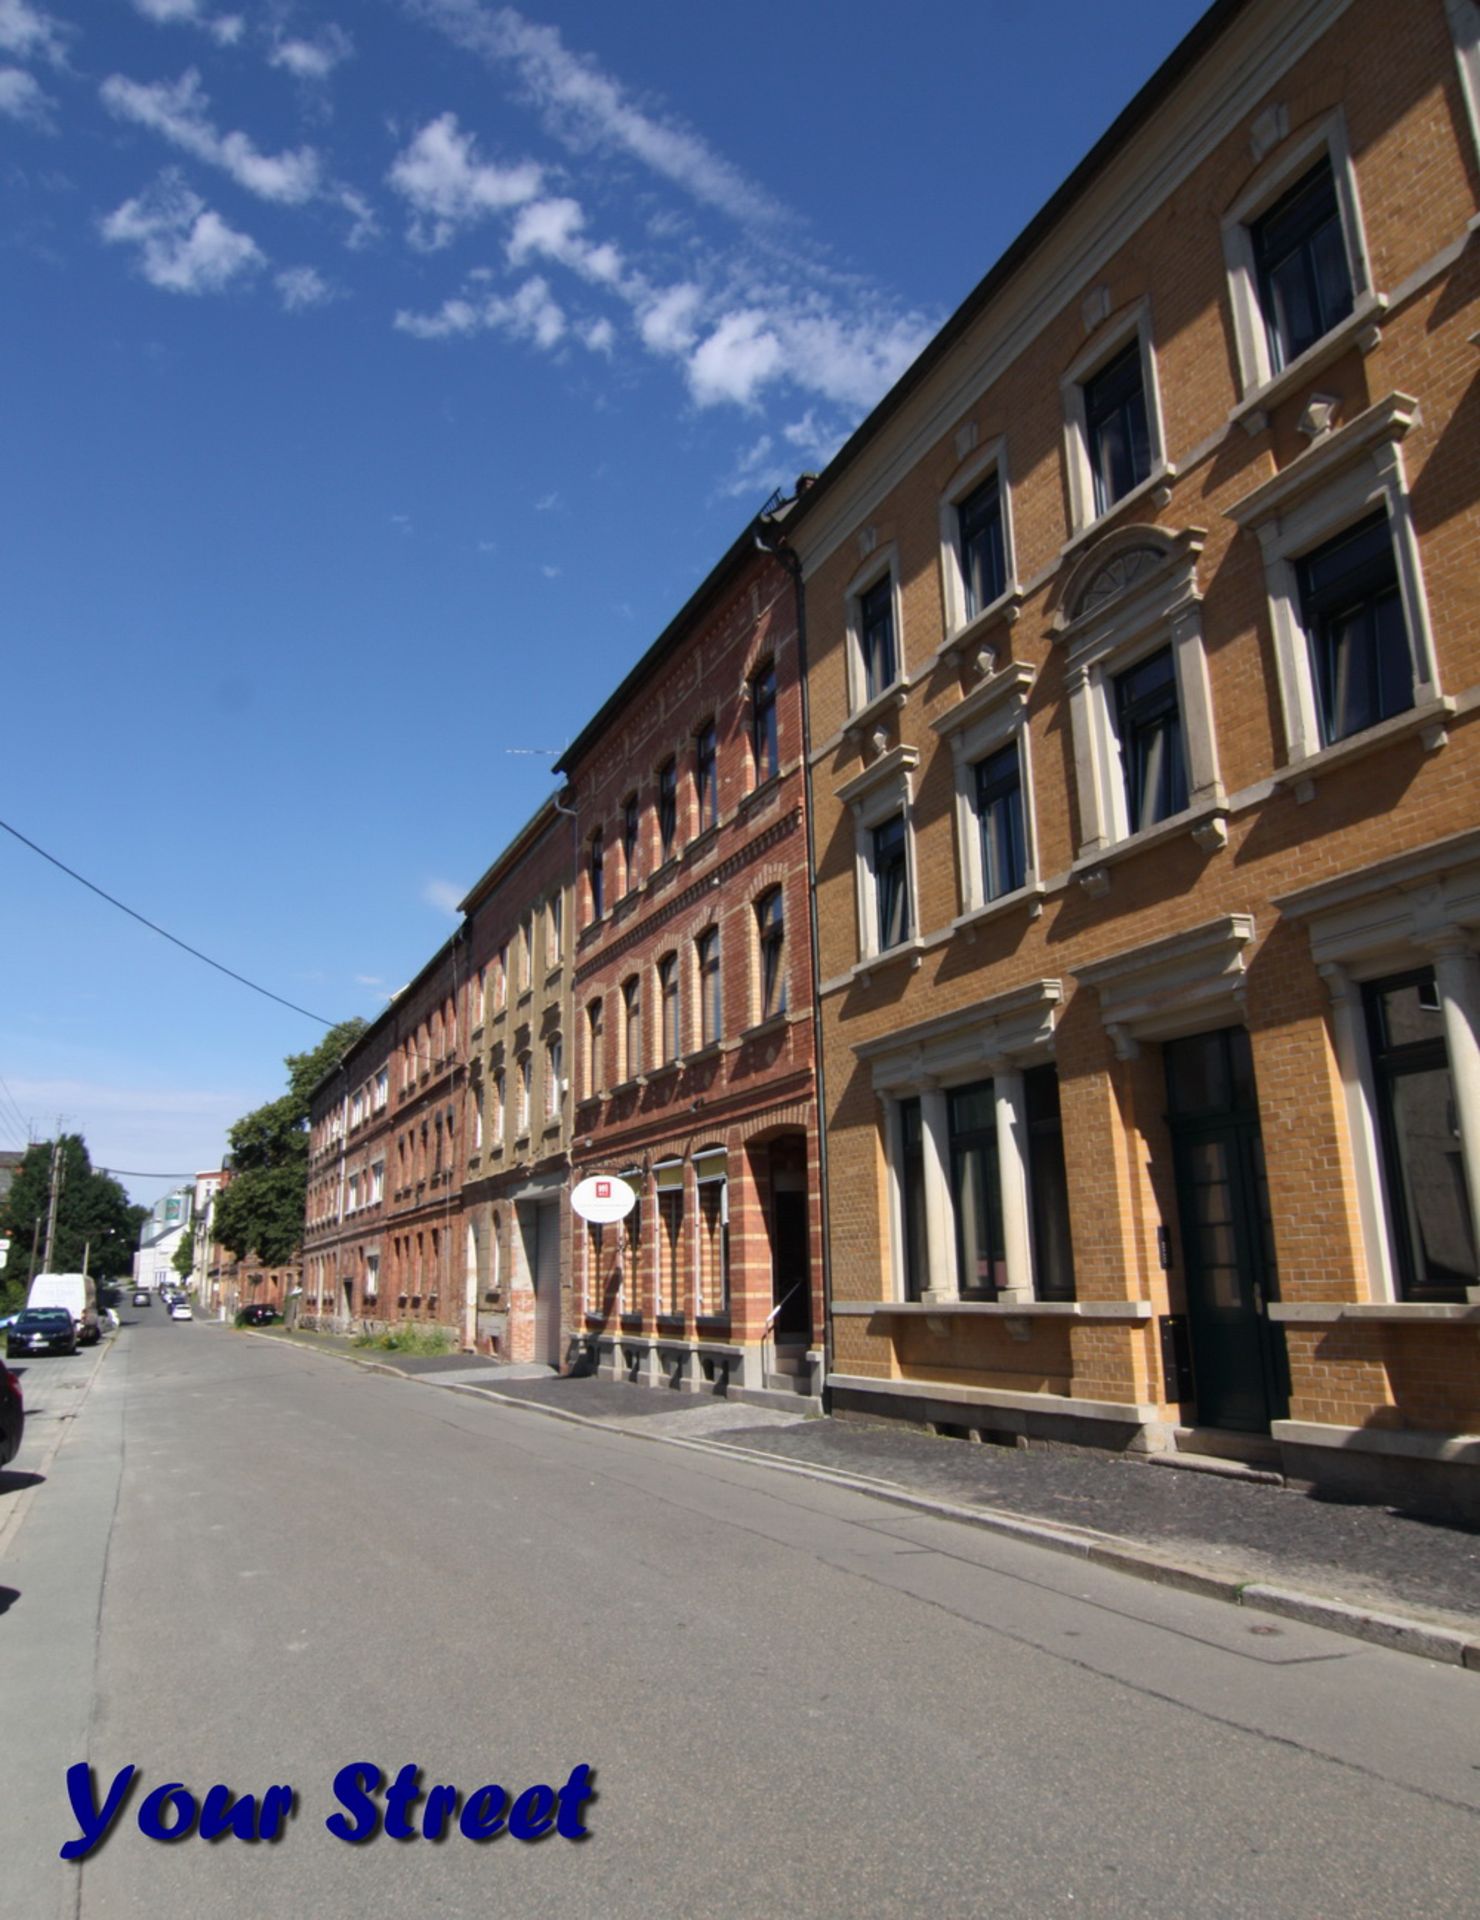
x: 408, y: 1340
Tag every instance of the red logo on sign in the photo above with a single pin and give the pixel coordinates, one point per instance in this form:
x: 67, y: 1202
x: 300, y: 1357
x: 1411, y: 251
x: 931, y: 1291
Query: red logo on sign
x: 603, y: 1189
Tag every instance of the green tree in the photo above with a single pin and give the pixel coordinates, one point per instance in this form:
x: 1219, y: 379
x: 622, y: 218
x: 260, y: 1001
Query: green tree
x: 183, y: 1258
x: 94, y: 1217
x: 261, y: 1211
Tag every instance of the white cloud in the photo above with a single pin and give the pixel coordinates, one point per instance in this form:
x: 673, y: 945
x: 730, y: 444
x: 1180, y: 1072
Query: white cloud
x: 21, y: 98
x: 368, y: 980
x: 530, y: 314
x: 586, y: 107
x: 600, y: 336
x: 553, y: 228
x: 667, y: 322
x: 302, y: 287
x: 550, y: 573
x: 740, y: 356
x: 313, y: 59
x: 547, y: 503
x: 443, y: 895
x: 183, y: 246
x: 448, y: 187
x: 31, y: 33
x: 365, y: 227
x: 178, y: 113
x: 225, y: 28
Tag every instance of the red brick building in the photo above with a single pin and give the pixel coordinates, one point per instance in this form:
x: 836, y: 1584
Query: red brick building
x: 692, y: 1000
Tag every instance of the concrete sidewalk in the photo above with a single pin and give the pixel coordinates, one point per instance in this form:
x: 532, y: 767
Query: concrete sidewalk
x: 1377, y: 1572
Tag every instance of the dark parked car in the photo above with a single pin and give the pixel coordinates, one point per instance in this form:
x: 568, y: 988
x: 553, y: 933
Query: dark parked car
x: 41, y: 1330
x: 12, y: 1416
x: 260, y: 1315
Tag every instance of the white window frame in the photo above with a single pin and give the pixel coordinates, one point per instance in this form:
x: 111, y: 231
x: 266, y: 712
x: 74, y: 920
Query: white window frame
x: 523, y: 1089
x: 1162, y: 608
x: 1260, y: 383
x: 372, y: 1277
x: 1133, y: 324
x: 998, y: 1039
x: 990, y: 717
x: 554, y: 1075
x: 1341, y: 479
x: 377, y: 1183
x: 884, y: 561
x: 873, y: 797
x: 382, y: 1089
x: 976, y: 472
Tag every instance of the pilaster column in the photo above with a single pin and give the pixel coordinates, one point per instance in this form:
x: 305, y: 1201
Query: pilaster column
x: 1012, y: 1175
x: 1354, y: 1060
x: 940, y: 1248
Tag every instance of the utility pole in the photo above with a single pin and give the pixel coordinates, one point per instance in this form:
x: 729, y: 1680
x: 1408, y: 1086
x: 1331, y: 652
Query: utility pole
x: 35, y: 1243
x: 57, y: 1173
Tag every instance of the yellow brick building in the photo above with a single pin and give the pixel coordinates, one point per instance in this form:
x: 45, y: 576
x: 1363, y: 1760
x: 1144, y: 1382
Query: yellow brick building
x: 1143, y: 630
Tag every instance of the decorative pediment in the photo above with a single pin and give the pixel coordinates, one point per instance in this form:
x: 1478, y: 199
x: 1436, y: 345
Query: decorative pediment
x: 1128, y: 565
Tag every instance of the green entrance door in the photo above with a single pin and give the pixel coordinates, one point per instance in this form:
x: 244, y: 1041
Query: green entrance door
x: 1223, y: 1203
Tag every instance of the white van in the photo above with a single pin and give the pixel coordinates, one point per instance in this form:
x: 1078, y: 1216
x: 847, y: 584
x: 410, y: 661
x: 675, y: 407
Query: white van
x: 77, y: 1292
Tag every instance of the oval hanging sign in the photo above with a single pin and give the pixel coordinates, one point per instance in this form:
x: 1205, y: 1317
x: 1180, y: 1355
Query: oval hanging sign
x: 603, y: 1198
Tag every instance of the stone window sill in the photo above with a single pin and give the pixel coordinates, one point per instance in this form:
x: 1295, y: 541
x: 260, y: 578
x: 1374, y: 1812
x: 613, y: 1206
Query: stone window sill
x: 1206, y: 823
x: 1132, y: 1310
x: 1428, y: 720
x: 1158, y: 481
x: 1361, y: 327
x: 1391, y: 1313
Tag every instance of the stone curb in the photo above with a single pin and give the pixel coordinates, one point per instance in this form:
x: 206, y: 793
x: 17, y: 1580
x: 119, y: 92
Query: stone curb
x: 1398, y: 1633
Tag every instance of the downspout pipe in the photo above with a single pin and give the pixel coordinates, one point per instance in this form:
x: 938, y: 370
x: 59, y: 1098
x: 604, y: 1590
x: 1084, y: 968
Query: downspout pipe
x: 781, y: 552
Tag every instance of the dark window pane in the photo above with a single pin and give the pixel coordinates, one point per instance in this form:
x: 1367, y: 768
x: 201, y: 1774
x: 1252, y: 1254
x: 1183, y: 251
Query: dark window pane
x: 983, y: 563
x: 912, y: 1184
x: 667, y: 808
x: 706, y: 768
x: 976, y: 1191
x: 772, y: 929
x: 1353, y: 617
x: 1150, y: 731
x: 1115, y: 421
x: 1305, y: 285
x: 999, y: 807
x: 891, y: 883
x: 1053, y: 1249
x: 598, y: 877
x: 764, y: 742
x: 1430, y: 1228
x: 876, y: 637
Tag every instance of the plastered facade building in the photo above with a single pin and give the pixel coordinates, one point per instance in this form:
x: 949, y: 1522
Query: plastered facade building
x: 1143, y: 630
x: 692, y: 1001
x: 516, y: 1187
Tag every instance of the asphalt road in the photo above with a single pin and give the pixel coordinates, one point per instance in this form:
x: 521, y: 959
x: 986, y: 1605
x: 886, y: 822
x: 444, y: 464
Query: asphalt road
x: 255, y: 1567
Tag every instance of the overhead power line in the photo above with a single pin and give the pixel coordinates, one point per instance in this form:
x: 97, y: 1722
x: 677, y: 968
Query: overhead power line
x: 184, y: 945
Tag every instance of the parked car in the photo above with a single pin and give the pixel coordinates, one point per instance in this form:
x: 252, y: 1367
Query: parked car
x: 12, y: 1416
x: 181, y: 1311
x: 259, y: 1314
x: 41, y: 1330
x: 143, y: 1299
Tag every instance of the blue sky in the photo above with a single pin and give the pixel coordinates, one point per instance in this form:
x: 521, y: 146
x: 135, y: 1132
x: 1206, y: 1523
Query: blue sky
x: 381, y: 379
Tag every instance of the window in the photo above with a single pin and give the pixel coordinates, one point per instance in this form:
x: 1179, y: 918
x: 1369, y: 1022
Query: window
x: 526, y: 1076
x: 629, y: 1296
x: 1297, y: 268
x: 668, y: 1179
x: 711, y: 1005
x: 498, y: 1107
x: 667, y: 809
x: 980, y: 546
x: 916, y: 1259
x: 706, y: 776
x: 1149, y: 731
x: 1114, y: 441
x: 1304, y: 280
x: 999, y: 813
x: 372, y: 1277
x: 765, y: 750
x: 377, y: 1183
x: 879, y: 800
x: 894, y: 922
x: 554, y: 1076
x: 501, y: 979
x: 598, y: 875
x: 595, y: 1060
x: 1352, y: 644
x: 475, y: 1115
x: 668, y: 1007
x: 1116, y: 430
x: 1048, y: 1186
x: 976, y: 1192
x: 631, y: 1028
x: 554, y: 929
x: 630, y: 820
x: 771, y: 936
x: 1352, y: 612
x: 352, y: 1205
x: 526, y: 954
x: 1430, y: 1228
x: 711, y: 1172
x: 876, y: 640
x: 382, y: 1088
